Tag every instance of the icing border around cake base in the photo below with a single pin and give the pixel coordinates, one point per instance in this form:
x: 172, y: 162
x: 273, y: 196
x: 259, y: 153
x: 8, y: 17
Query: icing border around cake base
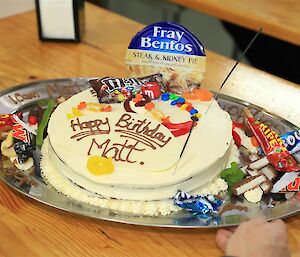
x: 164, y: 207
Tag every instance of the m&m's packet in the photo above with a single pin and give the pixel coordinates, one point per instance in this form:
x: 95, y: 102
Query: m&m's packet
x: 115, y: 90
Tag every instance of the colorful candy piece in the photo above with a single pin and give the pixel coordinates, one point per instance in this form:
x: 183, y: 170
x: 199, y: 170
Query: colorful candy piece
x: 99, y: 165
x: 165, y: 96
x: 193, y: 111
x: 181, y: 100
x: 189, y: 108
x: 232, y: 175
x: 149, y: 106
x: 184, y: 106
x: 32, y: 120
x: 81, y: 106
x: 174, y: 102
x: 198, y: 204
x: 107, y: 108
x: 174, y: 96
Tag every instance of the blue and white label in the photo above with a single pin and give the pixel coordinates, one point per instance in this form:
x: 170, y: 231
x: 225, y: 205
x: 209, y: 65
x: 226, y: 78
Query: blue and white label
x: 167, y: 37
x: 170, y: 49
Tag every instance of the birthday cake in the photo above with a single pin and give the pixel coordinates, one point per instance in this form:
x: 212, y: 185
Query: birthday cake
x: 129, y: 152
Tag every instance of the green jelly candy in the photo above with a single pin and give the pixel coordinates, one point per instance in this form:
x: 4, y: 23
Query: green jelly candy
x: 44, y: 122
x: 232, y: 175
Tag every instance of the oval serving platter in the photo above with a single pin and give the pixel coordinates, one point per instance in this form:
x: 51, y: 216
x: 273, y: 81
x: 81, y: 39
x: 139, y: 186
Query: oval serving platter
x: 25, y: 96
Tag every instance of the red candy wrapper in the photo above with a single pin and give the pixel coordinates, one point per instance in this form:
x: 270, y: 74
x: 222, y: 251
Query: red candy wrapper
x: 271, y: 145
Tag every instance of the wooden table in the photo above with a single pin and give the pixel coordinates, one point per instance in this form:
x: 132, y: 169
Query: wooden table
x: 32, y: 229
x: 279, y: 19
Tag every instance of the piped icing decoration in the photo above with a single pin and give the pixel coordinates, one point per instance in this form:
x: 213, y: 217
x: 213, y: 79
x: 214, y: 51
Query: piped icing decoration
x: 99, y: 165
x: 133, y: 103
x: 83, y: 107
x: 170, y: 49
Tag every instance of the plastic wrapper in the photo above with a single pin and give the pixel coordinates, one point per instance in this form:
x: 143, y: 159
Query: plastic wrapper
x: 115, y: 90
x: 272, y: 146
x: 291, y: 141
x: 24, y: 142
x: 198, y: 204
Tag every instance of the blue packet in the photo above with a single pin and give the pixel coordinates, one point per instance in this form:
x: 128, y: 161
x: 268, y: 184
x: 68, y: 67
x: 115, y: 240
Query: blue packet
x: 291, y: 141
x: 198, y: 204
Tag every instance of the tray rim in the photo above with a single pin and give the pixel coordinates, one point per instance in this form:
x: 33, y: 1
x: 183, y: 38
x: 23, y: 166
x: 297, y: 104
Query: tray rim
x: 61, y: 208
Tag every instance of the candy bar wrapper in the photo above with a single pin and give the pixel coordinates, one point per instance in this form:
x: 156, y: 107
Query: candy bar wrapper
x: 272, y: 146
x: 199, y: 204
x: 291, y: 141
x: 292, y: 186
x: 114, y: 90
x: 24, y: 142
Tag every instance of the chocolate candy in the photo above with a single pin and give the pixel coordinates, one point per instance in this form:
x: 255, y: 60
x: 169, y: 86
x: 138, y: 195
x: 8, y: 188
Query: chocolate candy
x: 291, y: 141
x: 116, y: 90
x: 199, y: 204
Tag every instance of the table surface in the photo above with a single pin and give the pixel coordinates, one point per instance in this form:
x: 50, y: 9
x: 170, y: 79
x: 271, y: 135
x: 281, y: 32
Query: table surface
x: 31, y: 229
x: 279, y: 19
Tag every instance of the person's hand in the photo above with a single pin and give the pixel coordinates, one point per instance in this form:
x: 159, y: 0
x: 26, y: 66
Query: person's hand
x: 255, y: 238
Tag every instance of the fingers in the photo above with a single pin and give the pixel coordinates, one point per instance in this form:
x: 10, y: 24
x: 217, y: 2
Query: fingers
x: 279, y: 224
x: 222, y: 238
x: 258, y: 220
x: 280, y: 228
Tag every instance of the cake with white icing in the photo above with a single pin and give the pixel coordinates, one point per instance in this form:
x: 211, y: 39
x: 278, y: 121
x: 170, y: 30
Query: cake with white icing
x: 130, y: 160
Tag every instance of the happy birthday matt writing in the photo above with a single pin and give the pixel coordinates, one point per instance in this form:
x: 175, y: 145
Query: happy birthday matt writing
x: 135, y: 135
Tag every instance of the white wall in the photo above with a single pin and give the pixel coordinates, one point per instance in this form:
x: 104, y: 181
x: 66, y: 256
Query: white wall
x: 11, y: 7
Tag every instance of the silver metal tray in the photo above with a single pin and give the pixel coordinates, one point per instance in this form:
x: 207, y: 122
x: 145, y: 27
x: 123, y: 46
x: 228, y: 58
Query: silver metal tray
x: 25, y: 96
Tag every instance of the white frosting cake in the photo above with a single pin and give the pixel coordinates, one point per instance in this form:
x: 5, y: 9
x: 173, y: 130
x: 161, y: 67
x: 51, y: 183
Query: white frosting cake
x: 144, y: 152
